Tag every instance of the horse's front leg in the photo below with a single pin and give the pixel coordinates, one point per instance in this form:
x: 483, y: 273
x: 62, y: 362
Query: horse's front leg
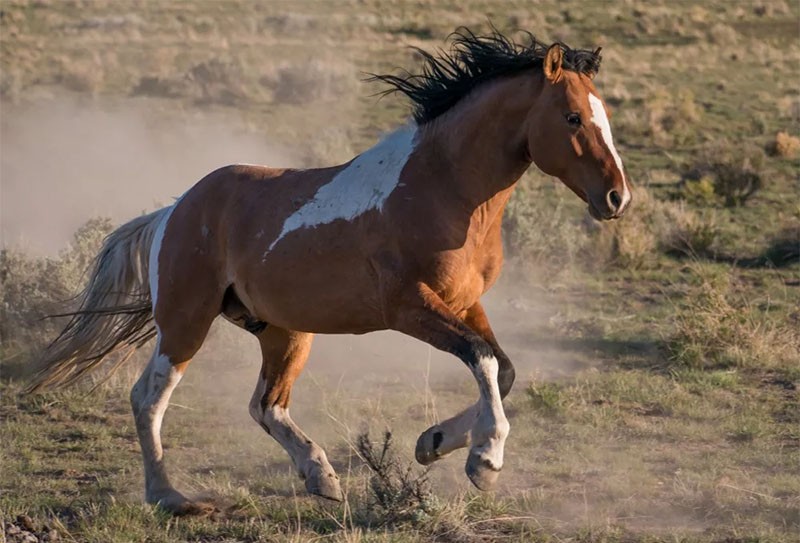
x: 454, y: 433
x: 420, y: 313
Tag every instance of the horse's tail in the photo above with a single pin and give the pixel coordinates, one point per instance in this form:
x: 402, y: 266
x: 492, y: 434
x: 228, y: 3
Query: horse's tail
x: 115, y: 313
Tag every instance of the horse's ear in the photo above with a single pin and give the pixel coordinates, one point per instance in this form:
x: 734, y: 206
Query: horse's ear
x: 552, y: 63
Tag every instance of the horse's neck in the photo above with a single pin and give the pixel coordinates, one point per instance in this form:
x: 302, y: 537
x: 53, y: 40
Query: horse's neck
x: 478, y: 151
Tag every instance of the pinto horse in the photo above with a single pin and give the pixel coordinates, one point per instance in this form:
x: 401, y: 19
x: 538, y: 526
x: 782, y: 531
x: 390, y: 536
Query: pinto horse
x: 405, y: 236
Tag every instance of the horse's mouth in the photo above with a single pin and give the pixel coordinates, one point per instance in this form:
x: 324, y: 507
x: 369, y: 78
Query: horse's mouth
x: 596, y: 215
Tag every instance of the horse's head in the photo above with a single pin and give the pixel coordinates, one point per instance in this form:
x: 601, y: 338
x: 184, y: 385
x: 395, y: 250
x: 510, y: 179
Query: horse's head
x: 569, y: 137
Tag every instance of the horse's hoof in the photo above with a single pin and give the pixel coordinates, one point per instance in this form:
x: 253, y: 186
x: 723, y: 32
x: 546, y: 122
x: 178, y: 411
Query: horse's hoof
x: 324, y: 484
x: 426, y: 452
x: 177, y: 504
x: 195, y: 509
x: 481, y: 472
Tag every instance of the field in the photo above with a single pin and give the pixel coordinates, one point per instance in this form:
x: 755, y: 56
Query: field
x: 658, y: 357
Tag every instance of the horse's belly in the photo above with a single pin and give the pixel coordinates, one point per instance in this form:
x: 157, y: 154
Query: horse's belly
x: 326, y: 295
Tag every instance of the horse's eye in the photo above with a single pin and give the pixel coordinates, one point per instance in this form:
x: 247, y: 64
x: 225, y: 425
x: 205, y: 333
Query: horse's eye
x: 574, y: 119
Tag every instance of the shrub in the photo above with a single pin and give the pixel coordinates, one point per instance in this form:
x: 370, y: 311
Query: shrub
x: 300, y: 83
x: 784, y: 249
x: 672, y: 118
x: 33, y: 287
x: 214, y: 81
x: 542, y: 232
x: 687, y: 232
x: 699, y: 192
x: 784, y: 145
x: 626, y: 243
x: 718, y: 328
x: 397, y: 492
x: 218, y: 81
x: 546, y: 397
x: 734, y: 171
x: 537, y: 229
x: 651, y: 227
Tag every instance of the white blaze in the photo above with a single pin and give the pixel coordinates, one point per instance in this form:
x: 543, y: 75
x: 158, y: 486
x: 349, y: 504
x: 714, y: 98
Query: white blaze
x: 364, y: 185
x: 600, y: 119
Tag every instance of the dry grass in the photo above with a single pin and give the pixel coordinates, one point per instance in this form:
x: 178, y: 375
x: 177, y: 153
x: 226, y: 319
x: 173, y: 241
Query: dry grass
x: 541, y: 230
x: 312, y: 81
x: 719, y: 328
x: 398, y: 493
x: 784, y: 145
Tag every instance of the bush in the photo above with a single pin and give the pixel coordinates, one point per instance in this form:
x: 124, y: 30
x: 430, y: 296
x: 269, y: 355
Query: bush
x: 718, y: 329
x: 651, y: 227
x: 784, y: 249
x: 734, y: 171
x: 214, y: 81
x: 33, y: 287
x: 672, y: 118
x: 542, y: 232
x: 547, y: 398
x: 300, y: 83
x: 397, y: 493
x: 537, y: 229
x: 687, y: 232
x: 218, y: 82
x: 784, y: 146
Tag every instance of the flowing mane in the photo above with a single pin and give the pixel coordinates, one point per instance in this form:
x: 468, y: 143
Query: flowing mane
x: 471, y: 61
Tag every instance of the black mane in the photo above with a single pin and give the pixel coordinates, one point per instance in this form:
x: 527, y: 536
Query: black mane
x: 471, y: 61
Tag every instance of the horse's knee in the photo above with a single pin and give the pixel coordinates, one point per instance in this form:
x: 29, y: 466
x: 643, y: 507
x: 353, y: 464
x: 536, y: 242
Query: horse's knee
x: 505, y: 375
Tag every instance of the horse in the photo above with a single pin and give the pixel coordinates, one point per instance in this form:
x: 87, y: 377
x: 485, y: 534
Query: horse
x: 405, y: 236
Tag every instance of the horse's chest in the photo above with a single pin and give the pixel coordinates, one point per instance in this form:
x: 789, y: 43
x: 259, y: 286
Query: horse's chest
x: 460, y: 279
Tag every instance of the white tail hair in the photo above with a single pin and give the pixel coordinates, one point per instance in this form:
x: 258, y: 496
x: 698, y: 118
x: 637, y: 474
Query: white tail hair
x: 115, y: 313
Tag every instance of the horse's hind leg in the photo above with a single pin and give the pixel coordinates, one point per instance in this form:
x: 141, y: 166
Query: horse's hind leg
x: 454, y: 433
x: 284, y: 355
x: 176, y: 345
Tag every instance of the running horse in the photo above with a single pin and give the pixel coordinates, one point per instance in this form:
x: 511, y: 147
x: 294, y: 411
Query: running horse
x: 406, y: 236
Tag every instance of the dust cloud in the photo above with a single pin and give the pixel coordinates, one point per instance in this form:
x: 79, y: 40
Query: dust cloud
x: 64, y: 161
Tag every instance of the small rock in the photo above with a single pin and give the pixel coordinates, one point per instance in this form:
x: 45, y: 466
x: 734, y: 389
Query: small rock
x: 12, y: 529
x: 28, y: 537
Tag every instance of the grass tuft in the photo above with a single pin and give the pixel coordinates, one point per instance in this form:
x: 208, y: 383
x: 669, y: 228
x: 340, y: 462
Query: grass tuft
x: 719, y: 328
x: 397, y: 492
x: 784, y: 145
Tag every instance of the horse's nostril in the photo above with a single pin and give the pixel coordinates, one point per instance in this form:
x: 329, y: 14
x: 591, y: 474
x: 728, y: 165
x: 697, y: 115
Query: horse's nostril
x: 614, y: 200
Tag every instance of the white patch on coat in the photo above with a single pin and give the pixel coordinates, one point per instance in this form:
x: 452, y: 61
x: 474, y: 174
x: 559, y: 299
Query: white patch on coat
x: 149, y: 399
x: 155, y: 250
x: 305, y: 454
x: 364, y: 185
x: 600, y: 119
